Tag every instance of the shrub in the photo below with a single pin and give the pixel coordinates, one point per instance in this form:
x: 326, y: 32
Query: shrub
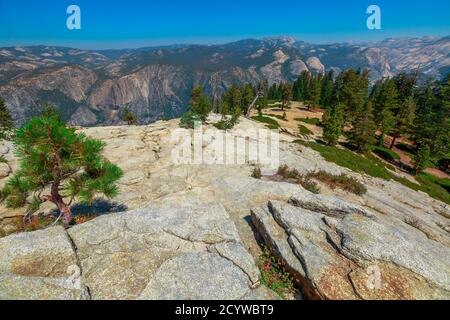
x: 227, y: 124
x: 129, y: 117
x: 34, y: 223
x: 274, y: 276
x: 287, y: 173
x: 309, y: 185
x: 188, y: 120
x: 292, y: 175
x: 257, y: 173
x: 342, y: 181
x: 413, y: 222
x: 3, y: 160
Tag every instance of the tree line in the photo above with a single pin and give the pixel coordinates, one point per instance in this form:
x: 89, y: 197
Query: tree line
x: 397, y: 107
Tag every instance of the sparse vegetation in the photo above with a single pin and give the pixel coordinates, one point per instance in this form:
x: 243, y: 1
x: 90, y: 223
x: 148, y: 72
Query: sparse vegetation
x: 6, y: 121
x: 434, y: 187
x: 33, y: 223
x: 313, y: 121
x: 3, y: 160
x: 274, y: 276
x: 256, y: 173
x: 348, y: 159
x: 189, y: 119
x: 415, y: 223
x: 341, y: 181
x: 293, y: 176
x: 304, y: 131
x: 129, y: 117
x: 227, y: 123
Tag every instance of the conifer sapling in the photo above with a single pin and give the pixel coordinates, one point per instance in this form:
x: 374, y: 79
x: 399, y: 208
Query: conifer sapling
x: 58, y: 165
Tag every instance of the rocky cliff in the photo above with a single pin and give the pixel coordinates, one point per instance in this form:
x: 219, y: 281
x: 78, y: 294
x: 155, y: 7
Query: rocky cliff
x: 91, y: 87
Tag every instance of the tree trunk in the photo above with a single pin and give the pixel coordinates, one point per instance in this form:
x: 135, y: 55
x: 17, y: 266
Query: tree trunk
x: 56, y: 198
x: 394, y: 139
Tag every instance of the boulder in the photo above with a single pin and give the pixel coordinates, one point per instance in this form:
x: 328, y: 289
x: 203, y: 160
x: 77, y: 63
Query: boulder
x: 353, y: 254
x: 40, y: 265
x: 165, y: 252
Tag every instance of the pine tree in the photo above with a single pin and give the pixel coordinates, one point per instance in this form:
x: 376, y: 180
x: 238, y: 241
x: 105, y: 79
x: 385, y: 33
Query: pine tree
x: 286, y: 95
x: 262, y: 103
x: 385, y: 101
x: 363, y: 132
x: 327, y: 89
x: 333, y: 123
x: 425, y: 121
x: 404, y: 120
x: 313, y: 93
x: 303, y: 85
x: 351, y: 89
x: 248, y: 95
x: 6, y: 121
x: 129, y: 117
x: 199, y: 103
x: 56, y: 156
x: 422, y: 158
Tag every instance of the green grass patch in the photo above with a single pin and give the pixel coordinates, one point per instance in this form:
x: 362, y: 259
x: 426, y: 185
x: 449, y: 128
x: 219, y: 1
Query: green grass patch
x: 370, y: 165
x: 274, y: 276
x: 271, y: 123
x: 444, y: 183
x: 3, y: 160
x: 313, y: 121
x: 304, y: 131
x: 348, y: 159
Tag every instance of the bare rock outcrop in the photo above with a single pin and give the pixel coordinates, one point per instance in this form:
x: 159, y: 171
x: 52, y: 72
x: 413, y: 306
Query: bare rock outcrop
x: 41, y: 265
x: 176, y: 251
x: 353, y: 254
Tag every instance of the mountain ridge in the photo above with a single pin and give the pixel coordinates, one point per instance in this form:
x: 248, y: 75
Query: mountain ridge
x: 91, y: 87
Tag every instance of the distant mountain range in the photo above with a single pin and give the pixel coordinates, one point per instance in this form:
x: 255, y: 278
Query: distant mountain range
x: 90, y: 87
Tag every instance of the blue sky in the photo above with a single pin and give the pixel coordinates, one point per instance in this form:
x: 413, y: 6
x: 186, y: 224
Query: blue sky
x: 137, y: 23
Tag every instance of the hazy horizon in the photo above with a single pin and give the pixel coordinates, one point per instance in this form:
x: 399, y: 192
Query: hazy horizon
x: 172, y: 44
x: 136, y: 23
